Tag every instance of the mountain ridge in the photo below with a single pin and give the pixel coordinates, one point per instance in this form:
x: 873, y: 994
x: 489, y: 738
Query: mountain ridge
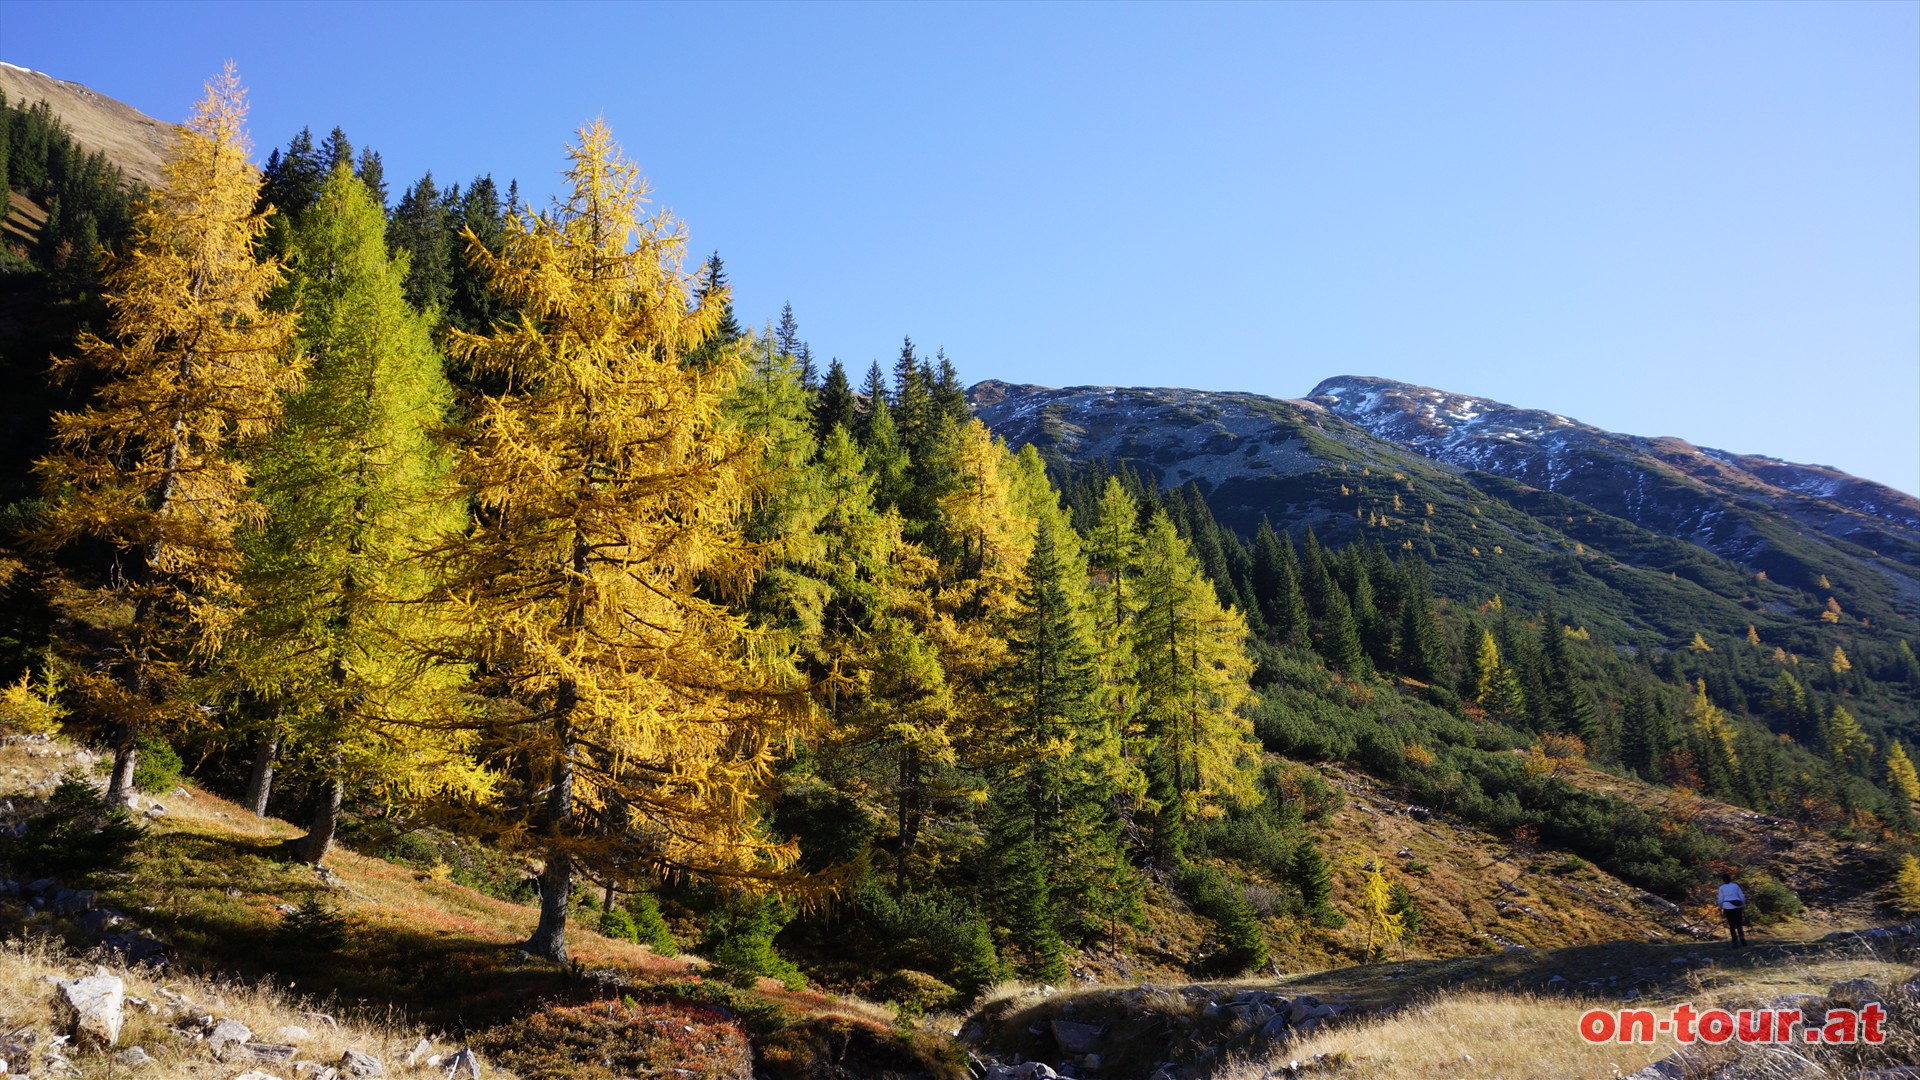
x: 128, y: 137
x: 1470, y: 431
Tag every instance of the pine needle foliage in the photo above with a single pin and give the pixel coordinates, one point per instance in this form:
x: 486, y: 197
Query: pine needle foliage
x: 607, y: 535
x: 356, y: 488
x: 192, y: 368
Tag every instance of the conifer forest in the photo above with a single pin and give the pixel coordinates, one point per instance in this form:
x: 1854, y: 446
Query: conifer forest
x: 490, y: 539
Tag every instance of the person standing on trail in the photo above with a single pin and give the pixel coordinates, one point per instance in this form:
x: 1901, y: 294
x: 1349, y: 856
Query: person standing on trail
x: 1733, y: 906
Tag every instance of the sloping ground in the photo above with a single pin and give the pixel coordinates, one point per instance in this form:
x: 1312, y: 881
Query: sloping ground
x: 1545, y: 938
x: 1513, y: 1014
x: 214, y: 890
x: 23, y: 221
x: 1478, y: 892
x: 128, y: 137
x: 1839, y: 881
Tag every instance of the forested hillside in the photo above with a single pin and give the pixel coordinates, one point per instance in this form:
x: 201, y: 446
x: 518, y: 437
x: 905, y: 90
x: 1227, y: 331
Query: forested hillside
x: 490, y: 539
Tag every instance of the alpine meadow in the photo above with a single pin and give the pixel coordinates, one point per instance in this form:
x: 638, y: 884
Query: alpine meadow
x: 437, y: 629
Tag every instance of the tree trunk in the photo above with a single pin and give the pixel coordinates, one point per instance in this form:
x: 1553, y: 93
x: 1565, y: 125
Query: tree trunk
x: 549, y: 938
x: 260, y: 781
x: 556, y: 881
x: 120, y: 787
x: 326, y: 817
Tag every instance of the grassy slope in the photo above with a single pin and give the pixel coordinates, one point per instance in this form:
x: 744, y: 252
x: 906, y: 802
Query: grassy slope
x: 420, y: 953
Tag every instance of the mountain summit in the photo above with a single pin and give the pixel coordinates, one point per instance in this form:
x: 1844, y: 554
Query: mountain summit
x: 1545, y: 449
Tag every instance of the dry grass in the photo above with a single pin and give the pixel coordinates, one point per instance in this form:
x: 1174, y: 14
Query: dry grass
x: 1484, y: 1034
x: 29, y: 968
x: 1477, y: 1035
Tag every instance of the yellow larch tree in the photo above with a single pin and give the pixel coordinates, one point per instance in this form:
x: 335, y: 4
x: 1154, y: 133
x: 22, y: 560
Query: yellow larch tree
x: 1385, y: 926
x: 609, y: 496
x: 1900, y: 773
x: 1192, y: 676
x: 192, y: 367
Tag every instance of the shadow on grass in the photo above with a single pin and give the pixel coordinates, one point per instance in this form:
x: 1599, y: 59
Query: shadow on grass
x: 216, y: 900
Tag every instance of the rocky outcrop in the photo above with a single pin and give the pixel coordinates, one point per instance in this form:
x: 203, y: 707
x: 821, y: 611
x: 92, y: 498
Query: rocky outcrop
x: 1156, y: 1033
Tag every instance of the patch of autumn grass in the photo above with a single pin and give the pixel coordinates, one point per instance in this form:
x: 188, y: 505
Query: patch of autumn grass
x: 269, y: 1010
x: 1469, y: 1036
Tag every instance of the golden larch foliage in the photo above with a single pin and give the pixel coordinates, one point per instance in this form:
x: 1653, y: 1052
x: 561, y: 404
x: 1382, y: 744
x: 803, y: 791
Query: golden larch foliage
x: 609, y: 499
x: 192, y: 367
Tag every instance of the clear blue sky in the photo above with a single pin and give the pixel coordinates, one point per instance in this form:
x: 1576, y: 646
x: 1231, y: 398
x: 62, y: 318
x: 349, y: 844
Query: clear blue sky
x: 1665, y: 219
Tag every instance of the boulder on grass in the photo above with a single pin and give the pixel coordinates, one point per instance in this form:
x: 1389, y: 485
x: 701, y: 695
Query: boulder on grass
x: 96, y: 1005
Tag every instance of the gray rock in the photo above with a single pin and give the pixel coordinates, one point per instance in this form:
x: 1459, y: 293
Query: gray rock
x: 355, y: 1063
x: 255, y: 1074
x: 421, y: 1051
x: 133, y: 1057
x: 464, y: 1065
x: 1859, y: 991
x: 1667, y: 1068
x: 1031, y: 1070
x: 1308, y: 1009
x: 228, y: 1031
x: 74, y: 901
x: 273, y: 1052
x: 43, y: 886
x: 292, y: 1033
x: 1076, y: 1038
x: 97, y: 1006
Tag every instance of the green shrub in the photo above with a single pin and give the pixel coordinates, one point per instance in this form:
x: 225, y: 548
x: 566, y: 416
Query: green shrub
x: 639, y: 920
x: 77, y: 833
x: 157, y: 767
x: 616, y: 923
x: 1769, y: 901
x: 1237, y: 937
x: 934, y: 933
x: 739, y: 941
x: 314, y: 926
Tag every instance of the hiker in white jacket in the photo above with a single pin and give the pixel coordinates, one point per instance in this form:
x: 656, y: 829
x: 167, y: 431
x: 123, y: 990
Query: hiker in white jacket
x: 1733, y: 906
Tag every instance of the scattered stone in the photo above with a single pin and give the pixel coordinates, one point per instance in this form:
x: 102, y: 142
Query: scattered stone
x: 1667, y: 1068
x: 97, y: 922
x: 1859, y: 991
x: 255, y: 1074
x: 464, y: 1065
x: 73, y: 901
x: 133, y: 1057
x: 421, y: 1051
x: 274, y: 1052
x: 292, y: 1033
x: 1031, y: 1070
x: 96, y: 1004
x: 355, y: 1063
x: 228, y: 1031
x: 1076, y: 1038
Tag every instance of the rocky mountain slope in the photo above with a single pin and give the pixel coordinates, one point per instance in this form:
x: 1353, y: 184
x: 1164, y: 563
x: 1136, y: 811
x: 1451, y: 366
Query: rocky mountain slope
x: 1643, y: 541
x: 1304, y: 462
x: 1732, y: 504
